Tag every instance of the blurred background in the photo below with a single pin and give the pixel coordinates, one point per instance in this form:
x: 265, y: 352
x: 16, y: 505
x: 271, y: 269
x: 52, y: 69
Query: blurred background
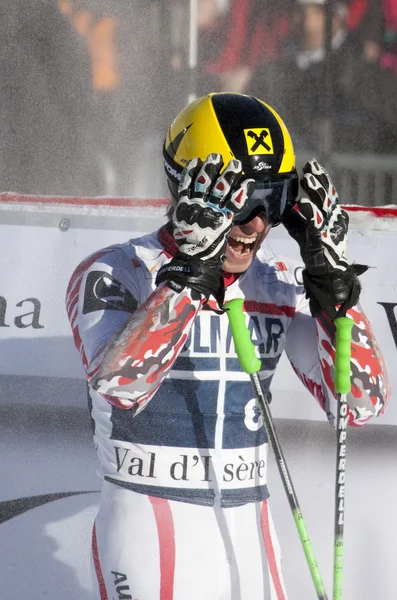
x: 89, y: 88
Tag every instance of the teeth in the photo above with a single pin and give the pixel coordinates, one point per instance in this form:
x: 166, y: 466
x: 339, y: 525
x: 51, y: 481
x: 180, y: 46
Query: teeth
x: 244, y: 240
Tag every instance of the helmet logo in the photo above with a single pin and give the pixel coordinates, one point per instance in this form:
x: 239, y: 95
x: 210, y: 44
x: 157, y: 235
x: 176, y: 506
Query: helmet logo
x: 173, y: 172
x: 262, y: 166
x: 259, y: 141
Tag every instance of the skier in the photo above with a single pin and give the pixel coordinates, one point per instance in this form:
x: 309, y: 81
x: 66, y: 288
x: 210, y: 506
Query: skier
x: 184, y: 506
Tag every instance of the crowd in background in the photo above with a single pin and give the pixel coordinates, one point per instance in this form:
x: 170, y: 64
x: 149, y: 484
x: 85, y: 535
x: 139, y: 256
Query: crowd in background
x: 88, y: 88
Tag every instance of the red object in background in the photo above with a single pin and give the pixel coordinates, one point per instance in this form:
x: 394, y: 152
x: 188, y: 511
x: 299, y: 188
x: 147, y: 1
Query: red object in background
x: 253, y: 35
x: 357, y: 10
x: 390, y: 12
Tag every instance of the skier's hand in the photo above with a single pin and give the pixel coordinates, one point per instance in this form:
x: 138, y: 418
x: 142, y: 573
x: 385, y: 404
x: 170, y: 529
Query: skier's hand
x: 207, y: 204
x: 320, y: 227
x: 202, y: 220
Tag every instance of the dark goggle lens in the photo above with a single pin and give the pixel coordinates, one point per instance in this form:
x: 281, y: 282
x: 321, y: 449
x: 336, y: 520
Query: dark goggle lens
x: 272, y: 195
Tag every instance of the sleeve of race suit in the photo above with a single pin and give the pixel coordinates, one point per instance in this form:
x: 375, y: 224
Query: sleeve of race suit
x: 128, y: 336
x: 310, y: 348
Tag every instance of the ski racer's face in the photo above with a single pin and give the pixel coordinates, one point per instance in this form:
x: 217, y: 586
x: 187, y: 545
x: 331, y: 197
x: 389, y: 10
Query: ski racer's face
x: 244, y: 242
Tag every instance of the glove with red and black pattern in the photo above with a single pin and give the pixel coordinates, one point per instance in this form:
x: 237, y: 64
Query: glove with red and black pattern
x: 320, y: 226
x: 202, y: 220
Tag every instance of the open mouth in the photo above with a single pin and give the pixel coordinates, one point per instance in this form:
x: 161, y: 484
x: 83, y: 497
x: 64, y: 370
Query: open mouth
x: 240, y: 245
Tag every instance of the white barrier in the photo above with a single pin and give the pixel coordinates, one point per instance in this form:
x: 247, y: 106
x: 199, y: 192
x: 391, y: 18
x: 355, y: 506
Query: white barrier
x: 43, y: 239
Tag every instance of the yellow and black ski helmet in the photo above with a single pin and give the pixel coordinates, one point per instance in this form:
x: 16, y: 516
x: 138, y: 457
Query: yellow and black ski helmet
x: 235, y: 126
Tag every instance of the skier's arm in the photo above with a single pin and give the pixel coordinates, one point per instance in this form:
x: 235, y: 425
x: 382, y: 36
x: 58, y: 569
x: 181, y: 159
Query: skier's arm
x: 127, y: 343
x: 133, y: 363
x: 370, y: 387
x: 320, y: 227
x: 310, y: 348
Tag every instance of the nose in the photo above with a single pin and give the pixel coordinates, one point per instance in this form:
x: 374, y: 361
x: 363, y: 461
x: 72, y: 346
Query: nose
x: 257, y: 225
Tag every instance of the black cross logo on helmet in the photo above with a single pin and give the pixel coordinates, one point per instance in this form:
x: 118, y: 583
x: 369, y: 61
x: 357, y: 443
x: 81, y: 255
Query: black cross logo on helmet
x: 259, y: 140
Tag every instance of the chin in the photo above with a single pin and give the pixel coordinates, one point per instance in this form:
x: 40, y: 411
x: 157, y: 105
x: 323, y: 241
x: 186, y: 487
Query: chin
x: 237, y: 265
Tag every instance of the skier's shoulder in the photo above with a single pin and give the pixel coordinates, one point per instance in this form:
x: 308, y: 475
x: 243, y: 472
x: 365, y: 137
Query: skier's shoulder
x: 131, y: 264
x: 126, y: 251
x: 148, y: 244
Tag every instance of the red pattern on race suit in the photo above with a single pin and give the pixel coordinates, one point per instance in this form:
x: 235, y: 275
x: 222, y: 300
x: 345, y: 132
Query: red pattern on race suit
x: 164, y: 344
x: 370, y: 387
x: 160, y: 327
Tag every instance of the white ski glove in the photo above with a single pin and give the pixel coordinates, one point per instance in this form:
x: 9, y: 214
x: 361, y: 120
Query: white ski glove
x: 207, y: 204
x: 202, y: 220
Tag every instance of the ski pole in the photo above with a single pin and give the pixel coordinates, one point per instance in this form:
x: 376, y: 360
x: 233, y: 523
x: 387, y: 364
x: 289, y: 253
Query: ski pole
x: 342, y: 387
x: 251, y: 365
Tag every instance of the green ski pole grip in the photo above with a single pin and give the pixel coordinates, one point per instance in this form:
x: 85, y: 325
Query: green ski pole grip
x: 245, y: 349
x: 342, y: 355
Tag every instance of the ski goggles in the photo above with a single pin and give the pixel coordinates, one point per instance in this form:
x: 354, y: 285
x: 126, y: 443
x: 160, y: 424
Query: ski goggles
x: 272, y: 195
